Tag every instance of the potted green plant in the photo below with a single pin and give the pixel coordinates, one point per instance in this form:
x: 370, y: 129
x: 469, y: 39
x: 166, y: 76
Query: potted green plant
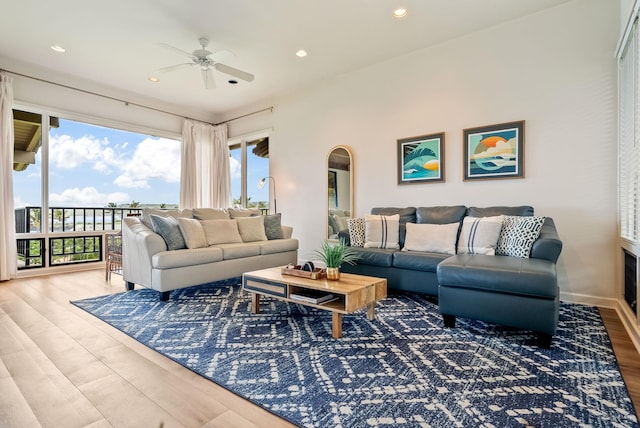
x: 334, y: 254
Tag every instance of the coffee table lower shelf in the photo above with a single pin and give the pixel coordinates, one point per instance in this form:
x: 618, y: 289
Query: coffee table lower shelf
x: 353, y: 292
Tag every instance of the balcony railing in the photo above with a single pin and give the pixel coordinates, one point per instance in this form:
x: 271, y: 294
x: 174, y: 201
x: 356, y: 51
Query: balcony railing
x: 74, y: 234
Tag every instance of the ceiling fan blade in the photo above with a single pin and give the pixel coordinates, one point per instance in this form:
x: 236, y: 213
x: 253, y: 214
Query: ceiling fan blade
x: 234, y: 72
x: 180, y: 51
x: 175, y: 67
x: 207, y: 78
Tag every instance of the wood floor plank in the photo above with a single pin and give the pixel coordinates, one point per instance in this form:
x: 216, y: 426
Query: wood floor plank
x: 151, y: 379
x: 53, y: 399
x: 14, y: 408
x: 48, y: 345
x: 626, y: 354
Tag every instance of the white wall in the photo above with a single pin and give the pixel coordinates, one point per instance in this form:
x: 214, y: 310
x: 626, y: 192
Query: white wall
x: 555, y: 70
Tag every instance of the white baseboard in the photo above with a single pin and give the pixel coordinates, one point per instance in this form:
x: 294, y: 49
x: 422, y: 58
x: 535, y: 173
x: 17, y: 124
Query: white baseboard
x: 630, y: 323
x: 585, y: 299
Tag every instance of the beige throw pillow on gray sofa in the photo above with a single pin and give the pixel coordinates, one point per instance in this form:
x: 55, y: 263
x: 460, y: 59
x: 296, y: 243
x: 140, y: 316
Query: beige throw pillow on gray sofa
x: 221, y: 231
x: 382, y: 231
x: 432, y: 238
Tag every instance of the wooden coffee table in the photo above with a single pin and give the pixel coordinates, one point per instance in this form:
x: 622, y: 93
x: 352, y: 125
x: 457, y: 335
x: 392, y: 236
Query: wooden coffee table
x: 353, y: 292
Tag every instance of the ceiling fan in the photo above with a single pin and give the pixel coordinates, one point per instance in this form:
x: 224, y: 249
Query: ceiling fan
x: 201, y: 58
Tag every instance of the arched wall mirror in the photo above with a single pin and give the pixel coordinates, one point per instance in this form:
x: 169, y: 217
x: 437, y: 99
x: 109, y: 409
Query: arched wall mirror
x: 339, y: 189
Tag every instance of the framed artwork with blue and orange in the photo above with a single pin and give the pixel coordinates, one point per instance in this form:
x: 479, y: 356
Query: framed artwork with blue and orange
x: 421, y: 159
x: 495, y: 151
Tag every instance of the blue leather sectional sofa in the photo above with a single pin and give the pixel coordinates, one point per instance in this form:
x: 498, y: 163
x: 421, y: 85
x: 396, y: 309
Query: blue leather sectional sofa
x: 512, y: 291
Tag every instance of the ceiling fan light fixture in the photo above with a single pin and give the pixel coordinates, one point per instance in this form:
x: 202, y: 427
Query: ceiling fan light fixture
x: 58, y: 48
x: 400, y: 12
x: 301, y: 53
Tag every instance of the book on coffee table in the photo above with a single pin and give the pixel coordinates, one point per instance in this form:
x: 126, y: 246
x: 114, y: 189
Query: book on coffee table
x: 312, y: 296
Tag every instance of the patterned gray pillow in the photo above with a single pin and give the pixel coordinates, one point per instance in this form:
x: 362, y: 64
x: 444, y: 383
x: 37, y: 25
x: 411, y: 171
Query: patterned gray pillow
x: 357, y: 227
x: 273, y: 226
x: 518, y: 235
x: 169, y: 229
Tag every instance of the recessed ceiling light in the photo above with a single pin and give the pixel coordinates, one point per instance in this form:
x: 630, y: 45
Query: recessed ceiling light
x: 400, y: 12
x: 154, y: 79
x: 58, y: 48
x: 301, y: 53
x: 233, y: 82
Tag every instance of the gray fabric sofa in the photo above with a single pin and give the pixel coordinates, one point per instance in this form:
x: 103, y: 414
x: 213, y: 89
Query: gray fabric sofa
x: 148, y: 261
x: 511, y: 291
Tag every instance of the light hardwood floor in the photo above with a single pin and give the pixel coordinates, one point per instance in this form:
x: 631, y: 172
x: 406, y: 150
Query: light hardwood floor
x: 61, y: 367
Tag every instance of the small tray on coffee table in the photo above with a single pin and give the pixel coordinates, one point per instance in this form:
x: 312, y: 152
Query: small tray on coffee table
x: 296, y: 270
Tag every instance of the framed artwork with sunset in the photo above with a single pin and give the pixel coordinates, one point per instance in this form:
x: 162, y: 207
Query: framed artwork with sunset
x: 421, y: 159
x: 495, y: 151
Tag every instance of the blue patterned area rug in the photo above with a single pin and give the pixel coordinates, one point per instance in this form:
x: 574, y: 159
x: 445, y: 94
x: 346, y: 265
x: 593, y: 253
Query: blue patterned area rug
x: 402, y: 369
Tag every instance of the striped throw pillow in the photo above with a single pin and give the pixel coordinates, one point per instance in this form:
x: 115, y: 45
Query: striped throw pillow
x: 479, y: 235
x: 382, y: 231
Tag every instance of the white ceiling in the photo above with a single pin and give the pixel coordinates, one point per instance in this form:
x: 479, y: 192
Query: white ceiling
x: 117, y: 43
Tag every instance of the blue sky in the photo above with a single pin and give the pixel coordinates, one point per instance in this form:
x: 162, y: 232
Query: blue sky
x: 92, y: 166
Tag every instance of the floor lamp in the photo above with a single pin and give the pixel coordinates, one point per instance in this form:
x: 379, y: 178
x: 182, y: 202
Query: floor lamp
x: 261, y: 185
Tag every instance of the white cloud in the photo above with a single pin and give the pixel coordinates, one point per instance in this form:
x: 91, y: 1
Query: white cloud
x: 67, y: 152
x: 235, y: 168
x: 154, y: 158
x: 87, y: 197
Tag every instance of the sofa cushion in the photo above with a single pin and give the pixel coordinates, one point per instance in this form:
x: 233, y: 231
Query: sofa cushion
x: 169, y: 229
x: 221, y: 231
x: 479, y: 235
x: 381, y: 231
x: 278, y: 246
x: 251, y: 229
x: 518, y: 235
x: 523, y: 210
x: 357, y: 227
x: 185, y: 257
x: 192, y: 232
x: 513, y: 275
x: 239, y: 251
x: 441, y: 215
x: 407, y: 215
x: 243, y: 212
x: 422, y: 261
x: 434, y: 238
x: 273, y: 226
x: 148, y: 212
x: 374, y: 256
x: 210, y: 214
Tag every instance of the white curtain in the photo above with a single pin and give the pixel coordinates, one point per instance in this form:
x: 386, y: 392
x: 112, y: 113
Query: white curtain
x: 8, y: 256
x: 205, y: 180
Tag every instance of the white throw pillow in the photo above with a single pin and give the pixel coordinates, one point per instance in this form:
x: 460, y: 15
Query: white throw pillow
x: 518, y: 235
x: 432, y: 238
x: 193, y: 232
x: 251, y: 229
x: 479, y: 235
x: 221, y: 231
x: 382, y: 231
